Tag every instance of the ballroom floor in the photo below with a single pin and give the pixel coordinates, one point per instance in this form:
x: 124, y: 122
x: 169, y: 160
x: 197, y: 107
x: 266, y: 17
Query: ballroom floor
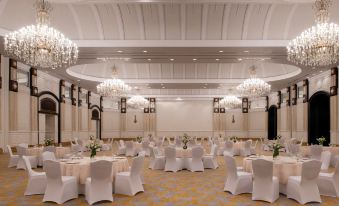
x: 161, y: 188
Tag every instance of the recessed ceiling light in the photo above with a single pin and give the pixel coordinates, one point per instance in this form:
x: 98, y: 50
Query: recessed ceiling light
x: 178, y: 99
x: 221, y: 51
x: 204, y: 87
x: 163, y: 87
x: 149, y: 59
x: 78, y: 80
x: 240, y: 59
x: 119, y: 51
x: 144, y: 51
x: 194, y: 59
x: 136, y: 87
x: 246, y: 51
x: 217, y: 59
x: 172, y: 59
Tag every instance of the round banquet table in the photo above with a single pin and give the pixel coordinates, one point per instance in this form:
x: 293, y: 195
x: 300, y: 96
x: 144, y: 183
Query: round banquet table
x: 80, y: 168
x: 283, y: 167
x: 37, y: 151
x: 334, y: 152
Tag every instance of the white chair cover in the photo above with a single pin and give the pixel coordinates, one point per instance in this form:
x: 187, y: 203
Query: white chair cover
x: 121, y: 150
x: 21, y: 151
x: 265, y: 185
x: 237, y: 182
x: 130, y: 151
x: 36, y: 180
x: 157, y: 162
x: 146, y: 148
x: 229, y: 150
x: 246, y: 150
x: 13, y: 159
x: 50, y: 149
x: 171, y: 162
x: 99, y: 185
x: 328, y: 183
x: 325, y: 160
x: 129, y: 183
x: 195, y: 164
x: 315, y: 152
x: 59, y: 188
x: 304, y: 188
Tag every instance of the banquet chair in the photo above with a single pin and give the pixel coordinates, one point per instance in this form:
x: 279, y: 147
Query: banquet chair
x: 13, y: 159
x: 172, y: 163
x: 325, y: 160
x: 254, y: 147
x: 157, y: 162
x: 24, y: 145
x: 129, y: 183
x: 21, y: 151
x: 229, y: 150
x: 265, y: 185
x: 294, y: 149
x: 146, y: 148
x: 195, y: 164
x: 59, y: 188
x: 142, y: 154
x: 246, y: 150
x: 47, y: 156
x: 98, y: 186
x: 36, y: 180
x: 178, y: 142
x: 237, y: 182
x: 121, y: 150
x: 328, y: 183
x: 315, y: 152
x: 210, y: 160
x: 50, y: 149
x: 304, y: 188
x: 130, y: 151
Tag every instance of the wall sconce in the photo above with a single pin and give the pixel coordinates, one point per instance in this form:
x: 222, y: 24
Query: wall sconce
x: 233, y: 120
x: 135, y: 119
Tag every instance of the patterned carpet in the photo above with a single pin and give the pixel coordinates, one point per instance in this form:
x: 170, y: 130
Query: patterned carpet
x: 162, y: 189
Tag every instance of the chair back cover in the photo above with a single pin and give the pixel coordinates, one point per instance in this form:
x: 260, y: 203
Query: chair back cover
x: 122, y: 143
x: 231, y: 166
x: 53, y: 171
x: 197, y: 153
x: 48, y: 156
x: 170, y: 153
x: 262, y: 170
x: 137, y: 165
x: 325, y: 160
x: 101, y: 171
x: 229, y: 145
x: 129, y: 145
x: 28, y: 165
x: 9, y: 149
x: 21, y: 151
x: 315, y: 151
x: 310, y: 170
x: 336, y: 172
x: 50, y: 149
x: 24, y: 145
x: 247, y: 145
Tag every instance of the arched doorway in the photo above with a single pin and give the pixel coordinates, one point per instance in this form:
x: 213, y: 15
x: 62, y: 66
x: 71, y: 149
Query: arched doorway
x: 319, y: 117
x: 48, y: 117
x: 272, y: 122
x: 96, y: 121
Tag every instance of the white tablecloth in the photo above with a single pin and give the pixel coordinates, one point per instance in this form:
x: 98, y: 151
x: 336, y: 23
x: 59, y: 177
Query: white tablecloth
x: 37, y: 151
x: 80, y: 168
x: 334, y: 152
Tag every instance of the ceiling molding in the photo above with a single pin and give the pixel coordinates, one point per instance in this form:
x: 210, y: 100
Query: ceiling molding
x: 120, y: 22
x: 98, y: 21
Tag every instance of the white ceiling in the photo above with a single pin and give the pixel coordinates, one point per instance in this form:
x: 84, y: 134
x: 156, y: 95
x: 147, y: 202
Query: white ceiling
x: 181, y: 30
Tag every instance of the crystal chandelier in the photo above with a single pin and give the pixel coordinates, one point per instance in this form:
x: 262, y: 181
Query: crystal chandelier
x: 113, y: 87
x: 254, y: 87
x: 318, y: 45
x: 40, y: 45
x: 230, y: 102
x: 137, y: 102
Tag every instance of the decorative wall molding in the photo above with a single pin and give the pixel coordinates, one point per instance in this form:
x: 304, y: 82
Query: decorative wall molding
x: 33, y: 73
x: 294, y: 94
x: 13, y: 83
x: 245, y: 105
x: 305, y: 91
x: 334, y: 81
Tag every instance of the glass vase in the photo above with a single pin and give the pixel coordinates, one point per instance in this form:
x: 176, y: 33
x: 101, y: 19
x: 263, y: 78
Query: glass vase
x: 275, y: 153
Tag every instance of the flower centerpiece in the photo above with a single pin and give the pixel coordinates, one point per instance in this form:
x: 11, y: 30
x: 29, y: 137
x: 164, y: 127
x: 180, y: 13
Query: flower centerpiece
x: 49, y: 142
x: 93, y: 147
x: 321, y: 140
x: 234, y: 139
x: 276, y: 147
x: 185, y: 140
x: 139, y: 139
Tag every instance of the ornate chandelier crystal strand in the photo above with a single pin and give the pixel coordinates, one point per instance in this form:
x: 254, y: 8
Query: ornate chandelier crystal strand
x: 230, y: 102
x: 317, y: 46
x: 113, y: 87
x: 137, y: 102
x: 254, y: 87
x: 40, y: 45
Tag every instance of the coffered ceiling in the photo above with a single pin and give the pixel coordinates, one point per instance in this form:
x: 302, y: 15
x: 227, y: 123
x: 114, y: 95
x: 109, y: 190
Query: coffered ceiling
x: 207, y: 41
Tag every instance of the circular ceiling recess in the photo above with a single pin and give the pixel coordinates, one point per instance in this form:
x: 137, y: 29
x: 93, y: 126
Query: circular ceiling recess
x: 230, y: 72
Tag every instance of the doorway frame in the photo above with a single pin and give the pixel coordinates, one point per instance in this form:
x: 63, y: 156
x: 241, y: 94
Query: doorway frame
x: 96, y: 107
x: 275, y: 118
